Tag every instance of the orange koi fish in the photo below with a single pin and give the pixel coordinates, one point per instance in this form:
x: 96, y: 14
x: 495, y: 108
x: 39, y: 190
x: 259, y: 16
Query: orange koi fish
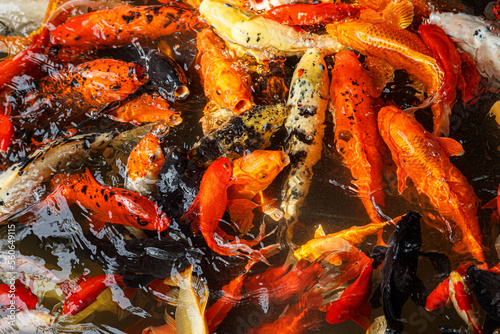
x: 24, y: 298
x: 97, y: 82
x: 295, y: 319
x: 353, y: 303
x: 124, y: 24
x: 401, y: 48
x: 225, y: 82
x: 309, y: 14
x: 423, y: 158
x: 252, y: 174
x: 463, y: 302
x: 144, y: 164
x: 449, y: 60
x: 147, y: 108
x: 210, y: 205
x: 439, y: 297
x: 357, y: 138
x: 87, y: 292
x: 107, y: 204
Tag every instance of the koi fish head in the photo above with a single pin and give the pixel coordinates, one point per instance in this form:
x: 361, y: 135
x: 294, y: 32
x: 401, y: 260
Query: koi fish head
x: 140, y: 212
x: 337, y: 314
x: 259, y: 168
x: 408, y: 230
x: 438, y: 298
x: 146, y: 158
x: 222, y: 168
x: 166, y: 76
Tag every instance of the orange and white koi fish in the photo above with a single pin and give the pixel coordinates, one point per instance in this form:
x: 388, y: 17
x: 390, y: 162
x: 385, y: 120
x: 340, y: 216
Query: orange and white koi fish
x: 423, y: 158
x: 226, y: 83
x: 143, y: 166
x: 357, y: 138
x: 353, y: 303
x: 308, y: 99
x: 252, y: 174
x: 210, y: 205
x: 106, y: 204
x: 256, y: 32
x: 401, y: 48
x: 463, y: 302
x: 87, y: 291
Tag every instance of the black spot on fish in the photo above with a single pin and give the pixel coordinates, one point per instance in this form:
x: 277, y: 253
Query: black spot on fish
x: 106, y: 197
x: 97, y: 204
x: 84, y: 190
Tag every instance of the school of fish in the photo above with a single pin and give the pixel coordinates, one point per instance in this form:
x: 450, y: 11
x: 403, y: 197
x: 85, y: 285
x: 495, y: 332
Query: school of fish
x: 251, y: 166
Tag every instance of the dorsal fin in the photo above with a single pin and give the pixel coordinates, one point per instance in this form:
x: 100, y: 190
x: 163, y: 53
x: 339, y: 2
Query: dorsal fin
x: 319, y: 232
x: 398, y: 13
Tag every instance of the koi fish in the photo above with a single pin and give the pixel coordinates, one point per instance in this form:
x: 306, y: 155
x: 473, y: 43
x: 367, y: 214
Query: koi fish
x: 424, y: 159
x: 353, y: 303
x: 28, y: 321
x: 106, y: 204
x: 143, y: 166
x: 247, y: 132
x: 486, y: 286
x: 97, y: 82
x: 310, y: 14
x: 473, y: 35
x: 449, y: 60
x: 401, y: 48
x: 210, y: 204
x: 256, y: 32
x: 168, y: 328
x: 214, y: 116
x: 463, y: 302
x: 87, y: 291
x: 295, y: 319
x: 399, y: 279
x: 193, y: 297
x: 124, y: 24
x: 439, y: 297
x: 357, y: 138
x: 19, y: 184
x: 252, y: 174
x: 145, y: 109
x: 225, y: 82
x: 308, y: 99
x: 24, y: 298
x: 6, y: 132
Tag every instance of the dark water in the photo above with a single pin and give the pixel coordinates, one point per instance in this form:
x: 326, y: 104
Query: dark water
x: 62, y: 243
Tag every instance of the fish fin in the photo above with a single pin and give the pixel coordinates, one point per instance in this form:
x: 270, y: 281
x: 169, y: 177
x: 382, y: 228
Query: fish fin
x: 191, y: 215
x: 169, y: 320
x: 419, y: 293
x: 201, y: 290
x: 490, y: 325
x: 97, y: 224
x: 319, y: 232
x: 240, y: 211
x: 402, y: 175
x: 362, y: 317
x: 450, y: 146
x: 440, y: 262
x: 491, y: 204
x: 398, y: 13
x: 272, y: 211
x: 380, y: 239
x: 495, y: 218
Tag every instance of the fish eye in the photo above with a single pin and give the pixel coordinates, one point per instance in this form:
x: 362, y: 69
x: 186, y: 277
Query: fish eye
x: 262, y: 177
x: 225, y: 166
x: 141, y: 221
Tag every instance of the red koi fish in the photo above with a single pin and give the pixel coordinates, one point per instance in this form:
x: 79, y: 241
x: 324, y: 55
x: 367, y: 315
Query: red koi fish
x: 309, y: 14
x: 124, y: 24
x: 449, y: 60
x: 107, y: 204
x: 353, y: 303
x: 87, y: 292
x: 6, y: 132
x: 24, y: 299
x: 423, y: 158
x: 463, y: 302
x: 210, y: 205
x: 357, y: 138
